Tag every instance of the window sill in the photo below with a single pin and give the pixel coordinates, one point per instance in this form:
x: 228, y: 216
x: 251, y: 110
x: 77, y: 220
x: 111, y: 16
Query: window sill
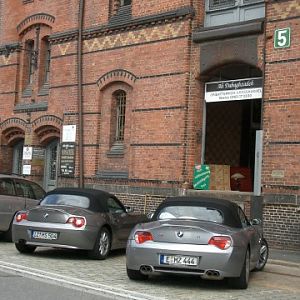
x: 30, y: 107
x: 44, y: 91
x: 27, y: 92
x: 230, y: 30
x: 112, y: 174
x: 117, y: 150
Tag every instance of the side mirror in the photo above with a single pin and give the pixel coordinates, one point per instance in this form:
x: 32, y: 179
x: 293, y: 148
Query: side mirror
x: 255, y: 222
x: 129, y: 209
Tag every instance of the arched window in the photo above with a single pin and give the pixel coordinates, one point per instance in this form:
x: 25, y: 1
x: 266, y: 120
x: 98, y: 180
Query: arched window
x: 47, y: 55
x: 30, y: 60
x: 120, y: 99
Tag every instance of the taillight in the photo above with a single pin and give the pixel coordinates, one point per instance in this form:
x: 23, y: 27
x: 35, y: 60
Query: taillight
x: 141, y: 237
x: 21, y: 216
x: 76, y: 221
x: 222, y: 242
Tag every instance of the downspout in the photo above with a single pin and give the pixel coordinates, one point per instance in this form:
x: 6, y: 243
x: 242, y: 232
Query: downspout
x: 80, y: 98
x: 187, y: 143
x: 264, y: 83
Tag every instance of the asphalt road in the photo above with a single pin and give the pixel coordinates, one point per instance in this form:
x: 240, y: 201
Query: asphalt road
x: 72, y: 273
x: 14, y: 286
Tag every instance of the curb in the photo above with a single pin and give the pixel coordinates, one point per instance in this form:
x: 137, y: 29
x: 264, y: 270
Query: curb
x: 282, y: 268
x: 283, y: 263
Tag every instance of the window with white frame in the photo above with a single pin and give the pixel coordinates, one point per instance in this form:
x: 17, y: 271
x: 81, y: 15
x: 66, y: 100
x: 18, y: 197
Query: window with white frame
x: 221, y: 12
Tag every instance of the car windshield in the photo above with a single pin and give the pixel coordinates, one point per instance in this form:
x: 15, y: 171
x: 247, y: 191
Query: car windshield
x: 191, y: 212
x: 68, y: 200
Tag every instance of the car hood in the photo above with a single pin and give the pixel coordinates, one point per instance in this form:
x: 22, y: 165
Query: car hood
x: 55, y: 213
x: 184, y: 230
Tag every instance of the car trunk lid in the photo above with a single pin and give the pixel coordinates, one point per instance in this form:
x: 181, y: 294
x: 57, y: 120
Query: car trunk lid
x: 52, y: 214
x: 186, y: 231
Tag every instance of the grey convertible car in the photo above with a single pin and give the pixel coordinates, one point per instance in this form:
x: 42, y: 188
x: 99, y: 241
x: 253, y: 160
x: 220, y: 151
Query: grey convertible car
x: 208, y: 237
x: 75, y: 218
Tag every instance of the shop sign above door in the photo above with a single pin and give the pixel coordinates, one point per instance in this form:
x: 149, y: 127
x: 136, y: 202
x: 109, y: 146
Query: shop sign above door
x: 231, y: 90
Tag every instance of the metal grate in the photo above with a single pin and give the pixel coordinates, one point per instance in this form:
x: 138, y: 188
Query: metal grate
x: 53, y: 156
x: 213, y: 4
x: 121, y: 106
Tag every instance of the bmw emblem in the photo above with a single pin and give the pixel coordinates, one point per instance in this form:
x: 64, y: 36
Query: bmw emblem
x: 179, y: 234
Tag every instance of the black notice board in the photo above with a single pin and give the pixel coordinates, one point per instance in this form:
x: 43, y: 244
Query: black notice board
x: 67, y: 159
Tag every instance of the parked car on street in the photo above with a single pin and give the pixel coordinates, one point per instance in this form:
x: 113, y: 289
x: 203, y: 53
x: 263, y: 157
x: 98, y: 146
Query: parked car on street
x: 75, y: 218
x: 16, y: 193
x: 208, y: 237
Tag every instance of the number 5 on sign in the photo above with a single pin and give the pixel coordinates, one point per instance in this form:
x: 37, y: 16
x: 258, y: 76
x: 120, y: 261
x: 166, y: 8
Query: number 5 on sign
x: 282, y: 38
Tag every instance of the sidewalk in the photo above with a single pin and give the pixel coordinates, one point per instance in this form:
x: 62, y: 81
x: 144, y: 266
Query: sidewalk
x: 283, y: 262
x: 284, y: 257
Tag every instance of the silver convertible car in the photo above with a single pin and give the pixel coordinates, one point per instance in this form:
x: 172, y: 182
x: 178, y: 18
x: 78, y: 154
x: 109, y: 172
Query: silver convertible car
x: 75, y: 218
x: 208, y: 237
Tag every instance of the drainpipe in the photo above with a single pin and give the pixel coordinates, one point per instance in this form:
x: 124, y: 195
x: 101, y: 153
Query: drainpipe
x: 80, y: 98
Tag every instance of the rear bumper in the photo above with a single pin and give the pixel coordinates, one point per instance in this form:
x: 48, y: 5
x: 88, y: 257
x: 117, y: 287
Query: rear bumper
x: 68, y: 236
x: 228, y: 263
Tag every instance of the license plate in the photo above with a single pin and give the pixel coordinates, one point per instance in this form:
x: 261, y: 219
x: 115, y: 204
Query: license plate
x: 178, y: 260
x: 44, y: 235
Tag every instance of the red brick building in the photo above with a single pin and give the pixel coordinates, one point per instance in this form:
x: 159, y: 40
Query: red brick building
x: 130, y: 96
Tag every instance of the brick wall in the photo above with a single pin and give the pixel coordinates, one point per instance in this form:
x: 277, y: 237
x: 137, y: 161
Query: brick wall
x: 282, y: 226
x: 281, y: 120
x: 158, y: 65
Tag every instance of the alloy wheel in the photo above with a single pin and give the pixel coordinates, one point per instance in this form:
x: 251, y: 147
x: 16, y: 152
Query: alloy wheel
x: 103, y: 243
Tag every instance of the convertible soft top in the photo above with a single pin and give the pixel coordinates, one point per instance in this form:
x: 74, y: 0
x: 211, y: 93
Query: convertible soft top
x: 97, y: 197
x: 228, y: 208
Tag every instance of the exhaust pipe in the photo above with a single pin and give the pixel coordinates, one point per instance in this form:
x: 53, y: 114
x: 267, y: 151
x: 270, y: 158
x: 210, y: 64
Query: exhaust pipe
x: 145, y: 269
x: 212, y: 273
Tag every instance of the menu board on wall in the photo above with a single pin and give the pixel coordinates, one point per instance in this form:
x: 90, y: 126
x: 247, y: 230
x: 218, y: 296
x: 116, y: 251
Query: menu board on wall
x: 67, y: 159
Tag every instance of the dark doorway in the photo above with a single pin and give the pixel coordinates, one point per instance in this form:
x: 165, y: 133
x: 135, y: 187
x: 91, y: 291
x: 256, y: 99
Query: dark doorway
x: 231, y: 127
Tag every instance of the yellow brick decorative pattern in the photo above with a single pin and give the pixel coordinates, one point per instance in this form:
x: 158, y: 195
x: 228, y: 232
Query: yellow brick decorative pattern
x: 292, y: 9
x: 134, y: 37
x: 4, y: 60
x: 63, y: 48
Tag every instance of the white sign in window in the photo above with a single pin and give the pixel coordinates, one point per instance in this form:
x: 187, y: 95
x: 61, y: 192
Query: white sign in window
x: 26, y: 169
x: 27, y: 153
x: 69, y: 134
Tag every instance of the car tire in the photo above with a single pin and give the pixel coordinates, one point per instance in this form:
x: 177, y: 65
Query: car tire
x: 102, y: 245
x: 136, y: 274
x: 23, y: 248
x: 263, y: 255
x: 242, y: 281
